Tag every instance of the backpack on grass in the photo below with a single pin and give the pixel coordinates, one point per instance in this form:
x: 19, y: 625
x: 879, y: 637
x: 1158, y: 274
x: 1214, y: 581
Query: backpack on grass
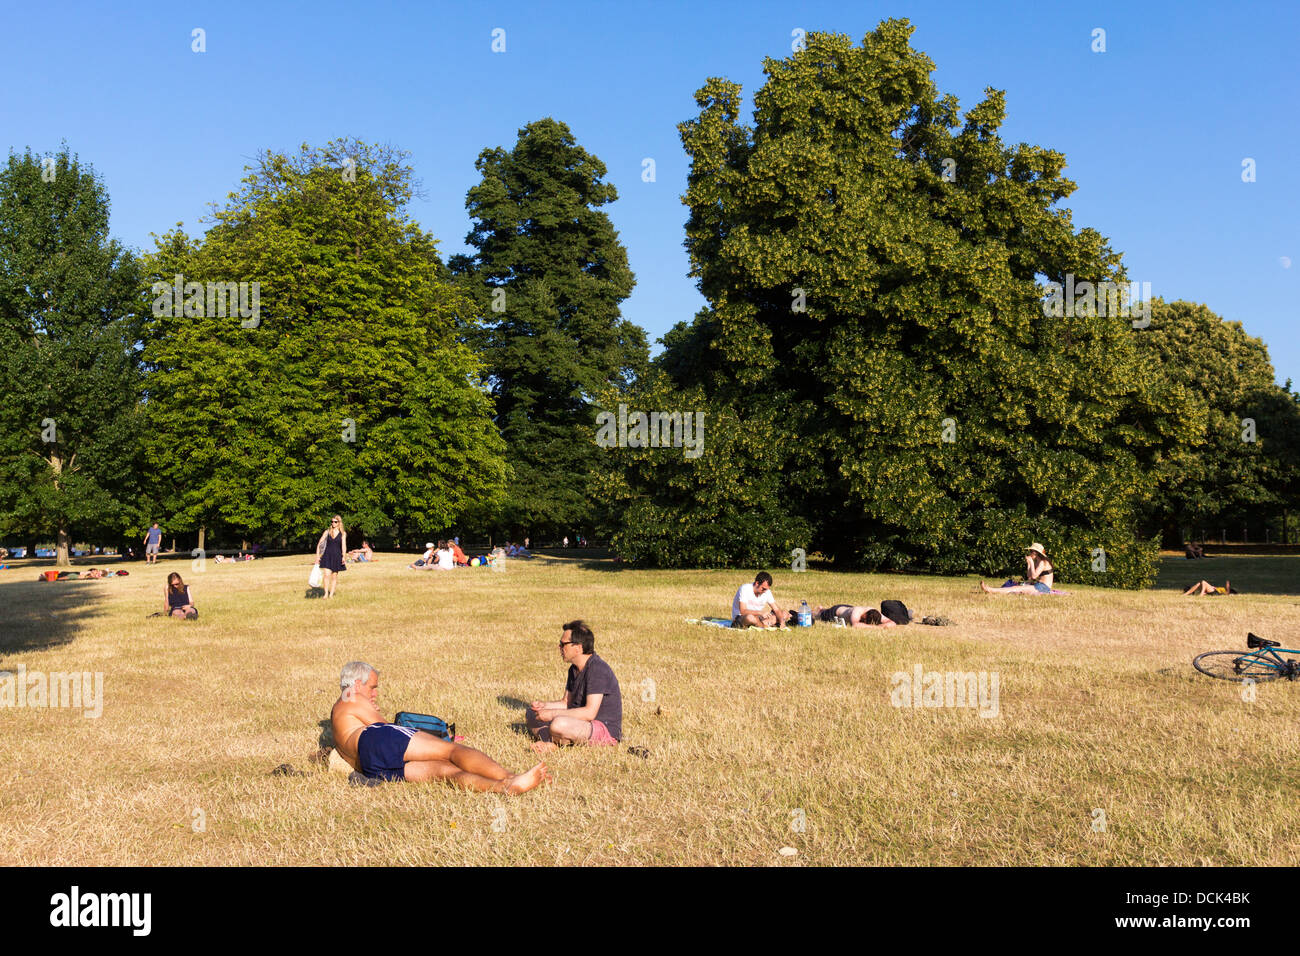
x: 896, y: 611
x: 429, y: 724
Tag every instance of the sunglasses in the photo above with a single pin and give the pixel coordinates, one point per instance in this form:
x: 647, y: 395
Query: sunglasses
x: 563, y: 643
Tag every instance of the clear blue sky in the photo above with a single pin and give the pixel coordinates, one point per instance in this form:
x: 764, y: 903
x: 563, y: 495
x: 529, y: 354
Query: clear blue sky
x: 1155, y: 129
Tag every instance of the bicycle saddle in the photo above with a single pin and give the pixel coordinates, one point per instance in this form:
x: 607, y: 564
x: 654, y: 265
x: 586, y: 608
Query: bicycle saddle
x: 1253, y: 641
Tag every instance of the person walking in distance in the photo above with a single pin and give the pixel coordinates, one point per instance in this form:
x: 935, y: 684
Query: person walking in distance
x: 152, y: 542
x: 330, y: 554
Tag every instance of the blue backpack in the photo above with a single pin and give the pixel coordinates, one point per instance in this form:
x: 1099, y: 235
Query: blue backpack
x: 429, y: 724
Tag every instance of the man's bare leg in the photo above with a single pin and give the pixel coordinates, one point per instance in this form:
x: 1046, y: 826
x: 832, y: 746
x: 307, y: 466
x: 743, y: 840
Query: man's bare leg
x: 422, y: 770
x: 426, y: 747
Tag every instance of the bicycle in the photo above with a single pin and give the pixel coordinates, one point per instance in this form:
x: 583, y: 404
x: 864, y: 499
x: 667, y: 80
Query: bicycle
x: 1260, y: 663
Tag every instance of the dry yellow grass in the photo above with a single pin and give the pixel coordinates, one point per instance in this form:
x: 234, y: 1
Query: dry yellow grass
x: 749, y: 732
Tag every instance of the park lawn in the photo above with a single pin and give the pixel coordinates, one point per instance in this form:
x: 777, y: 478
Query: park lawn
x: 1107, y: 749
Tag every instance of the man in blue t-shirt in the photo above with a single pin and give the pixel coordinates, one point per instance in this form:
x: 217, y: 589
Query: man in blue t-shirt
x: 592, y: 709
x: 152, y: 542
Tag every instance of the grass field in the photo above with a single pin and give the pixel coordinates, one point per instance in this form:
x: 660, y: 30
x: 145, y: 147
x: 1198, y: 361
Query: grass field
x: 758, y: 740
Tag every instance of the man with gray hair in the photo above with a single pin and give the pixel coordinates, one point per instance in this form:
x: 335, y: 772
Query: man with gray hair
x: 384, y: 751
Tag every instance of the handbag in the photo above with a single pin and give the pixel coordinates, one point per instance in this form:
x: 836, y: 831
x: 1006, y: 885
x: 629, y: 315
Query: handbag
x: 316, y: 578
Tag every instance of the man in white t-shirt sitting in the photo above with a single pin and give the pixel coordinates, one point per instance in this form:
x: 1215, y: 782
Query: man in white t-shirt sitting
x: 755, y: 606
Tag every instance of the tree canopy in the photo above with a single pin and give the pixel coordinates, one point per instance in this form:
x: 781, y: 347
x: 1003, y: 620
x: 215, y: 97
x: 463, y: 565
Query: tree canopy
x: 69, y: 432
x: 350, y: 389
x: 873, y: 263
x: 549, y: 274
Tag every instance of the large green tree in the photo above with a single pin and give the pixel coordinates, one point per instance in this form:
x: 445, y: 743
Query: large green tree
x: 873, y: 263
x: 549, y: 274
x: 69, y: 375
x: 1242, y: 470
x: 348, y: 388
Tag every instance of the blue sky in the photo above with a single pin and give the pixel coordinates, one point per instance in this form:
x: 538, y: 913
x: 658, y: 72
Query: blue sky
x: 1155, y: 129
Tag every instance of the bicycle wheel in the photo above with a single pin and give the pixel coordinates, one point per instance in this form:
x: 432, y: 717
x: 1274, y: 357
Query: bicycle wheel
x: 1235, y: 665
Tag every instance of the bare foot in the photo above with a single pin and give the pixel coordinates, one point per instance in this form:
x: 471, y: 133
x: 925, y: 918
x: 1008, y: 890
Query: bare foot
x: 985, y: 587
x: 542, y: 746
x: 523, y: 782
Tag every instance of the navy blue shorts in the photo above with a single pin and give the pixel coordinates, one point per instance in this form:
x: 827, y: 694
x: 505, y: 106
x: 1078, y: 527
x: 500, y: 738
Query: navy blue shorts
x: 381, y: 750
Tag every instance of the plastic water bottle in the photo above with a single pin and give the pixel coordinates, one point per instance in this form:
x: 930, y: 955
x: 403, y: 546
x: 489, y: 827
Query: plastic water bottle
x: 805, y: 615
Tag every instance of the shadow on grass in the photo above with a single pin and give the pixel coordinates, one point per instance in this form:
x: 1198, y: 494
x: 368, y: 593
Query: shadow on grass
x: 1252, y: 574
x: 35, y: 615
x: 514, y: 702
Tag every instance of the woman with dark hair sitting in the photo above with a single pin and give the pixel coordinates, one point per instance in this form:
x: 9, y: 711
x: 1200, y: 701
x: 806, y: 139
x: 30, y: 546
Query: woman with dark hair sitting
x: 1040, y: 575
x: 176, y: 599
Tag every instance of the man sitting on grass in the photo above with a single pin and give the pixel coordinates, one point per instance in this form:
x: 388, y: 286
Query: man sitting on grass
x: 755, y: 605
x: 383, y: 751
x: 592, y: 709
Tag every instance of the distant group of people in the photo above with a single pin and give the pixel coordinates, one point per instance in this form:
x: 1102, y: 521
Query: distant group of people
x: 755, y: 605
x: 445, y: 555
x: 590, y: 713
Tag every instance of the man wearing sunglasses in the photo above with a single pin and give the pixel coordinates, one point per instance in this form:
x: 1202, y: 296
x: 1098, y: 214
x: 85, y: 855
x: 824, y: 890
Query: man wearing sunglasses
x: 591, y: 711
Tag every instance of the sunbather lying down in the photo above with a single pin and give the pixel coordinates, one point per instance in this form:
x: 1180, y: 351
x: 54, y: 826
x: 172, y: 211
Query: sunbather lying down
x: 853, y: 615
x: 1205, y: 587
x: 384, y: 751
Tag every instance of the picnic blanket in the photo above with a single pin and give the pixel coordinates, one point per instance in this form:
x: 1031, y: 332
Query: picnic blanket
x: 709, y: 621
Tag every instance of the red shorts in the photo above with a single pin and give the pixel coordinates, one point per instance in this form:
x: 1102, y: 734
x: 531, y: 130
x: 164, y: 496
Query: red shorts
x: 600, y: 736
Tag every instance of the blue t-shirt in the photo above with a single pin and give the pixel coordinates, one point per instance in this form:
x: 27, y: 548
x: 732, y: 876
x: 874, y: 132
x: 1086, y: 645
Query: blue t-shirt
x: 597, y: 678
x: 154, y: 536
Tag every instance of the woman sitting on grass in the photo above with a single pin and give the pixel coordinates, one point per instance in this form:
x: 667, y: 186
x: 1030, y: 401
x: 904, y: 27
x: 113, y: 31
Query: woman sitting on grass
x: 1040, y: 575
x: 176, y: 599
x: 1205, y: 587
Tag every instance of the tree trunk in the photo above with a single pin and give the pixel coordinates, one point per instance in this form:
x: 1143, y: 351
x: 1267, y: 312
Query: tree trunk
x: 61, y: 547
x: 203, y: 536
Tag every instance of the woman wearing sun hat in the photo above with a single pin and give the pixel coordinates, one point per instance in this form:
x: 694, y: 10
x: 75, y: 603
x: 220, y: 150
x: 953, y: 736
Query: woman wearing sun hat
x: 1040, y: 575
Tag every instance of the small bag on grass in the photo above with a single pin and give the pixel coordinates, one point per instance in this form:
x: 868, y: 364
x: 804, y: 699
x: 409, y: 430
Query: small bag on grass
x: 428, y: 723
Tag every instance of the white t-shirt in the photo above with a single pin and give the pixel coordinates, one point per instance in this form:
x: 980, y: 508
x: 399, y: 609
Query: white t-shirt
x: 746, y: 599
x: 446, y: 560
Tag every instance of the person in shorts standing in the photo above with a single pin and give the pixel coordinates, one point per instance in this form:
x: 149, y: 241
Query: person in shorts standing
x: 591, y: 711
x: 152, y: 542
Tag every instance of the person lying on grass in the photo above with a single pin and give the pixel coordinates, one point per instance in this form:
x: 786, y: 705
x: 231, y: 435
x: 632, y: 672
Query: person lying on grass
x: 854, y: 615
x: 1205, y: 587
x: 176, y: 599
x: 1039, y: 575
x: 591, y: 711
x: 755, y: 605
x: 383, y: 751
